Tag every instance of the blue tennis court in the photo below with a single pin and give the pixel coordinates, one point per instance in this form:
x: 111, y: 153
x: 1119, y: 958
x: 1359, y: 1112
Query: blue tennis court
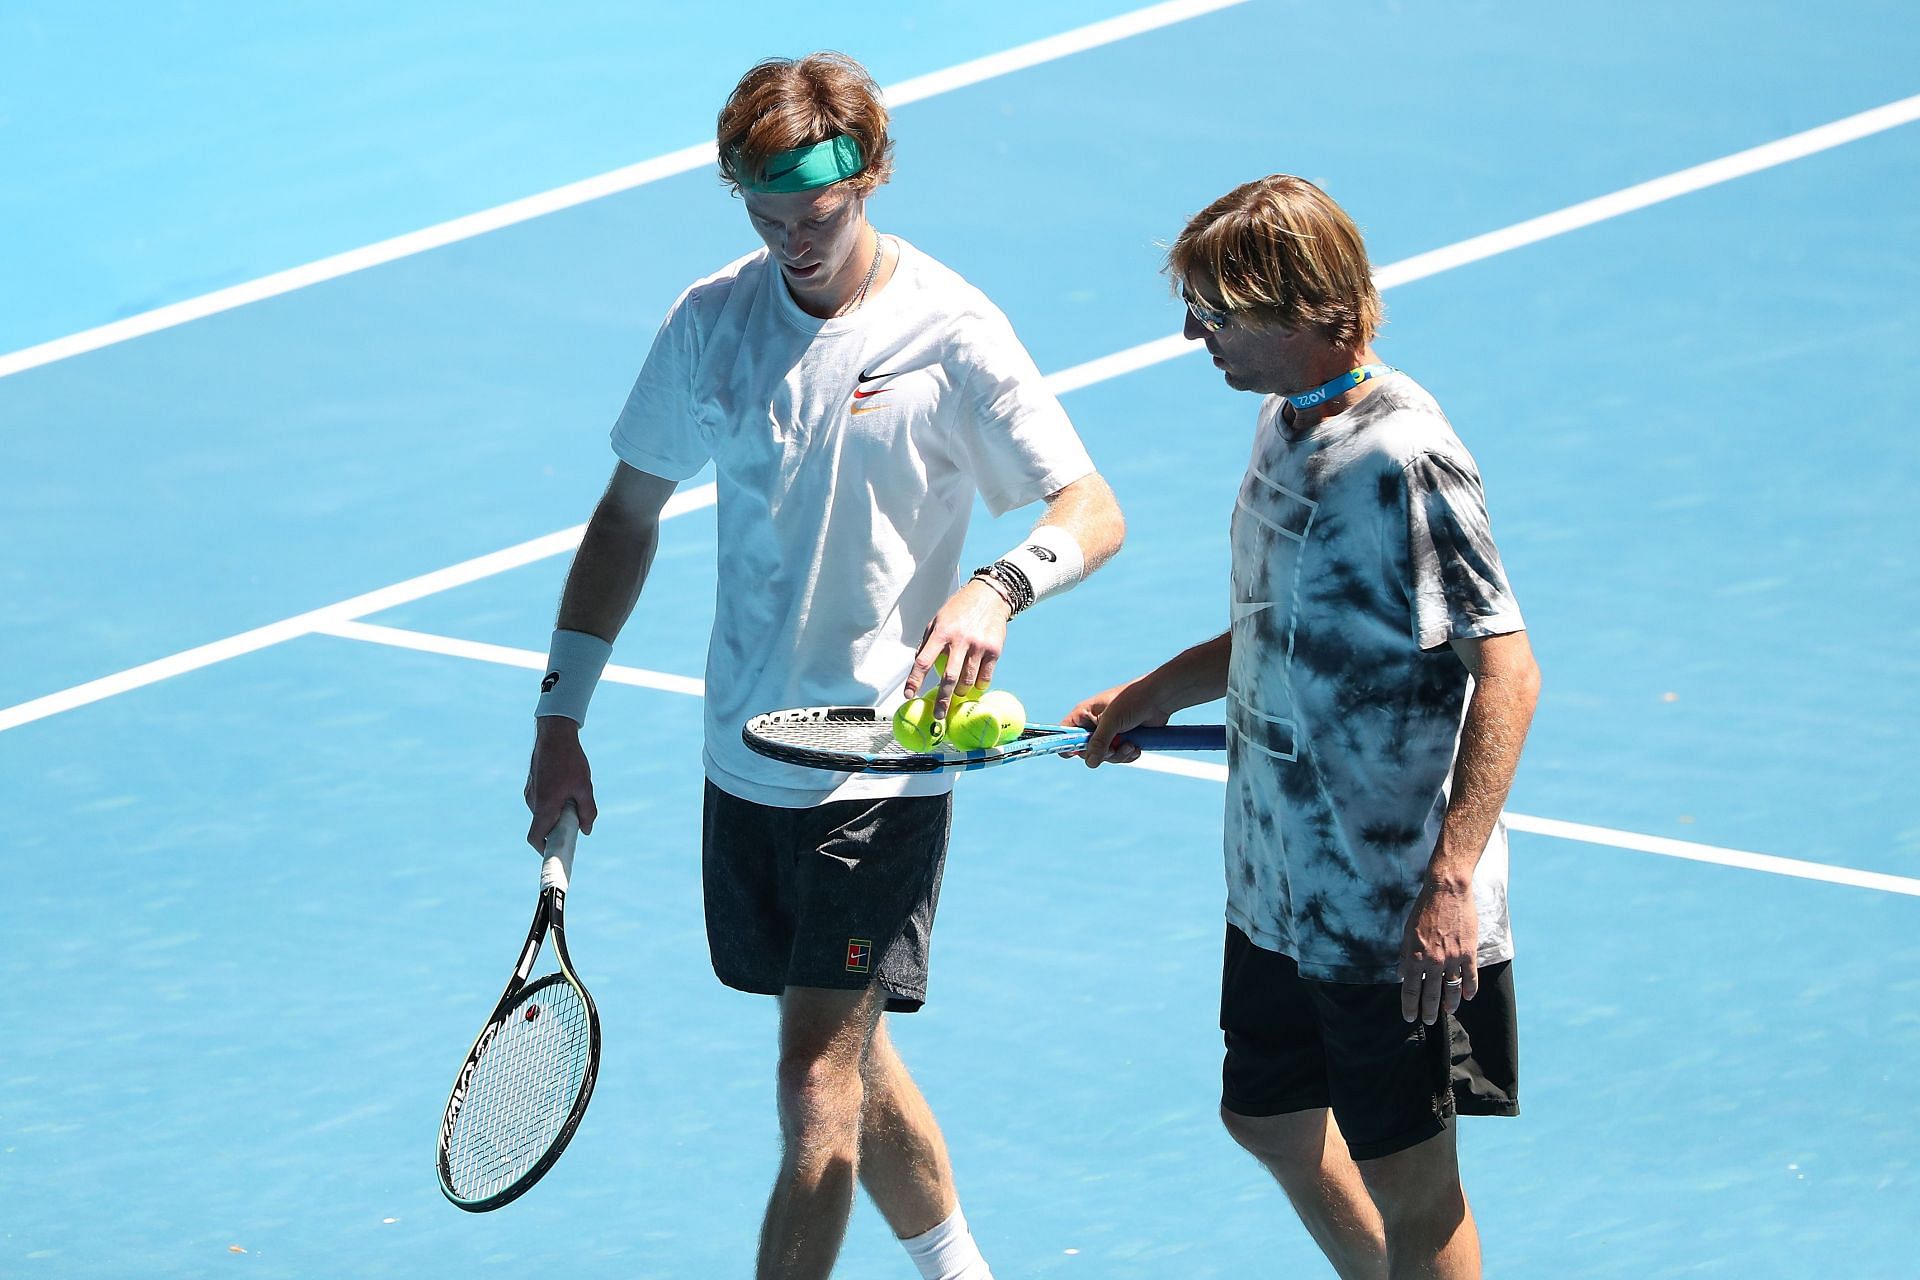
x: 278, y: 556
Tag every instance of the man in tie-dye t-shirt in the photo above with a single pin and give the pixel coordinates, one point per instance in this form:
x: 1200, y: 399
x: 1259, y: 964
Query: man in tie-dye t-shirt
x: 1378, y: 685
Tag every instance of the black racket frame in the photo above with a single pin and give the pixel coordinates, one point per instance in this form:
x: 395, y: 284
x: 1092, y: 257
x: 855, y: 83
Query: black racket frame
x: 549, y: 921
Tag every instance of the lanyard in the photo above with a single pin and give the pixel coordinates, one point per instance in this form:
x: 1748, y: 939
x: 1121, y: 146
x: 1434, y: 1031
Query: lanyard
x: 1345, y: 382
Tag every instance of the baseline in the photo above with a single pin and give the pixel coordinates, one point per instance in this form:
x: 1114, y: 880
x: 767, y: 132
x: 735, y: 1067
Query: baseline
x: 685, y: 160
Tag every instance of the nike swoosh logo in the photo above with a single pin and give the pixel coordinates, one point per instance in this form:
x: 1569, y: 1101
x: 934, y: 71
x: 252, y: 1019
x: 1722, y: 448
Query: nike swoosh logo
x: 771, y: 176
x: 877, y: 391
x: 872, y: 377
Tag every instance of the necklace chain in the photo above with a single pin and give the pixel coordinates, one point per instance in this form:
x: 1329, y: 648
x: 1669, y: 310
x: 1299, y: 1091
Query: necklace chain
x: 873, y: 269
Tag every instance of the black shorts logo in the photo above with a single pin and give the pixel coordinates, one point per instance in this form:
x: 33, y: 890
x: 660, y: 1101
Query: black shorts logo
x: 859, y: 955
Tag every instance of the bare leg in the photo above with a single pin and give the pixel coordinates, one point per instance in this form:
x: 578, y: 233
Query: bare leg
x: 903, y: 1158
x: 823, y: 1041
x: 1305, y: 1153
x: 1430, y: 1230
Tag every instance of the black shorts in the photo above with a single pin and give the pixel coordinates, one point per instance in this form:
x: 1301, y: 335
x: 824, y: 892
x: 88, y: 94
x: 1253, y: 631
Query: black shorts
x: 841, y: 895
x: 1294, y: 1044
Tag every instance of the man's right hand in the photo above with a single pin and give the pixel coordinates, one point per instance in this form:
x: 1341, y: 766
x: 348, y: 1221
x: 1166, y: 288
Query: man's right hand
x: 1111, y: 713
x: 558, y: 773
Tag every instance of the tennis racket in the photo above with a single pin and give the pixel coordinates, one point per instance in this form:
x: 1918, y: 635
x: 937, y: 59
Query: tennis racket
x: 860, y: 740
x: 526, y: 1081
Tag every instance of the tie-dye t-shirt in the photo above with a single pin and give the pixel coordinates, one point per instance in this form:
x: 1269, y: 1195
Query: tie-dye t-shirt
x: 1360, y: 548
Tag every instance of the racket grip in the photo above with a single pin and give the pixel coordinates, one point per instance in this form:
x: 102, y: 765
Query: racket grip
x: 556, y: 867
x: 1178, y: 737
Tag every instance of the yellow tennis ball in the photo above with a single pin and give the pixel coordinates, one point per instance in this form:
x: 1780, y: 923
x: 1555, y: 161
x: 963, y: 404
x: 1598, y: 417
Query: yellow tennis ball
x: 915, y: 727
x: 1009, y: 717
x: 971, y: 729
x: 968, y: 693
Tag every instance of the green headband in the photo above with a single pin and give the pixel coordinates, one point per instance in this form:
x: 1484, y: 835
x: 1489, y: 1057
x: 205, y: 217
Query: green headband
x: 820, y: 164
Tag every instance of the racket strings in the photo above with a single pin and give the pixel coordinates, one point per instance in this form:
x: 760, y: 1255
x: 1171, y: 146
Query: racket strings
x: 522, y: 1092
x: 862, y: 737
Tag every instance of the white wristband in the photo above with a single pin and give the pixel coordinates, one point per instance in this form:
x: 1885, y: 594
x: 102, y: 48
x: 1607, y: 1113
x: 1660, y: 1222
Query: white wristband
x: 1051, y: 561
x: 574, y: 663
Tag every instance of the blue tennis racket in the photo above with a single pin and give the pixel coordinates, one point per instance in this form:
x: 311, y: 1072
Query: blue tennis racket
x: 860, y: 740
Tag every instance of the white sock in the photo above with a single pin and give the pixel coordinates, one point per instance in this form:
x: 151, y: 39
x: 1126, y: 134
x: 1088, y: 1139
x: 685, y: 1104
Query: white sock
x: 948, y: 1252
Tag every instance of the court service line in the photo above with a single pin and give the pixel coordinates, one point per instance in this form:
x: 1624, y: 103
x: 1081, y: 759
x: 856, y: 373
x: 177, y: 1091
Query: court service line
x: 499, y: 654
x: 1546, y: 226
x: 685, y: 160
x: 533, y: 660
x: 273, y: 633
x: 1070, y: 379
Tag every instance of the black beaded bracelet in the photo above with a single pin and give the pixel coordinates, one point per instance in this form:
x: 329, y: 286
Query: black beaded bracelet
x: 1022, y: 585
x: 1001, y: 587
x: 1010, y: 582
x: 998, y: 588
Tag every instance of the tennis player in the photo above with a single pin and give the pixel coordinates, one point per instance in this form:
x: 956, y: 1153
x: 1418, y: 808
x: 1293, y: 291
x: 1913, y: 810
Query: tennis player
x: 853, y: 396
x: 1378, y: 686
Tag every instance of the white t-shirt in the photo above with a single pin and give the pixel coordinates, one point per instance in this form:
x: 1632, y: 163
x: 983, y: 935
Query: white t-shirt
x: 847, y: 453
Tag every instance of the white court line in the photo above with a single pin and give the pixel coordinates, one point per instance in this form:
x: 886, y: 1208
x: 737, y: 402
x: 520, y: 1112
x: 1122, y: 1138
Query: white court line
x: 1572, y: 218
x: 292, y: 628
x: 1066, y: 380
x: 501, y: 655
x: 685, y: 160
x: 1709, y: 853
x: 1583, y: 834
x: 533, y: 660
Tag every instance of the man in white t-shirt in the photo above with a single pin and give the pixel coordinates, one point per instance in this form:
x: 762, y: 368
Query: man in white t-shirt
x: 853, y: 396
x: 1378, y: 684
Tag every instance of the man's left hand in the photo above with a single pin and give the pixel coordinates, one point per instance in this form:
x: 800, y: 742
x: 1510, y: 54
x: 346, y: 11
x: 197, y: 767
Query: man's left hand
x: 1437, y: 968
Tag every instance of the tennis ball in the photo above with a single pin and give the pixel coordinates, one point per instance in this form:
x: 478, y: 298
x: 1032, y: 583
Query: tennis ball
x: 971, y: 729
x: 1006, y: 712
x: 915, y: 727
x: 966, y: 693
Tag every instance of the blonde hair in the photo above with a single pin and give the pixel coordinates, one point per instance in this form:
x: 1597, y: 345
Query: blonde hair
x: 783, y: 103
x: 1281, y: 248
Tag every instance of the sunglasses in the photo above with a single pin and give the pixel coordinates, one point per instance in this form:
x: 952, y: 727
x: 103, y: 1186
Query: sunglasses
x: 1212, y: 320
